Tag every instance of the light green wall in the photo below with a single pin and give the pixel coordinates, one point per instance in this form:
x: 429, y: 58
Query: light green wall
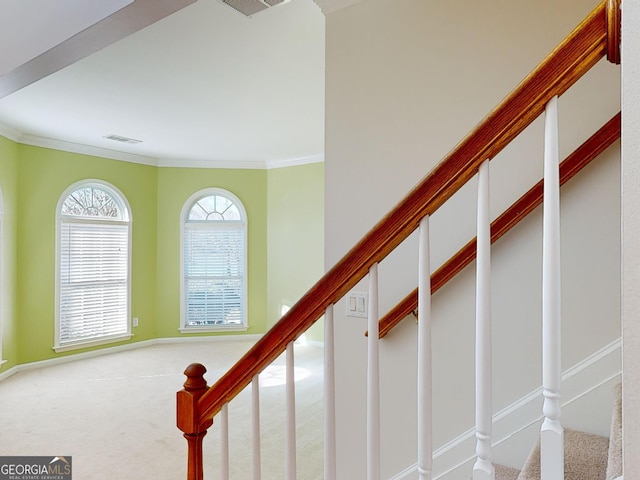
x: 43, y: 175
x: 8, y: 279
x: 295, y: 236
x: 285, y: 246
x: 175, y: 186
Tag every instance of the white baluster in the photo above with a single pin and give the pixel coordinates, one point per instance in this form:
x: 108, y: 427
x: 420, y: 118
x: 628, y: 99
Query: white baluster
x: 290, y: 454
x: 224, y: 442
x: 329, y: 398
x: 255, y: 406
x: 373, y: 380
x: 552, y: 433
x: 483, y: 468
x: 425, y: 377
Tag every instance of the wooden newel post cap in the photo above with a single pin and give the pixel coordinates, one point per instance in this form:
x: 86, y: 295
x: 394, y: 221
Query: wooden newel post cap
x: 189, y: 421
x: 195, y: 377
x: 187, y: 400
x: 614, y: 30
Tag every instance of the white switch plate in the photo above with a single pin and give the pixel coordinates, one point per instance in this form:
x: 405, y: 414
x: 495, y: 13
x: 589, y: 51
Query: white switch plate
x: 357, y: 304
x: 135, y: 321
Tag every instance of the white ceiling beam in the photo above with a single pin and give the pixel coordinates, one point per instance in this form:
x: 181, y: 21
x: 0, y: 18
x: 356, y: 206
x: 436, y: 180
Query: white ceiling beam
x: 120, y: 24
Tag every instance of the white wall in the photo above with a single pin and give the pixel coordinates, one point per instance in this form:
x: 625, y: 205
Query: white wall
x: 405, y: 80
x: 631, y: 236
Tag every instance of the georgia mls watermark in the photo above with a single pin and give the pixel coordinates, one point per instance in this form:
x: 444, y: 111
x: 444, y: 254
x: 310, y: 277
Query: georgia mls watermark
x: 35, y: 468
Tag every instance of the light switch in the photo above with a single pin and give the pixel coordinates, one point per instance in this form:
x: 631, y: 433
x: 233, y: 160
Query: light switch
x: 357, y: 303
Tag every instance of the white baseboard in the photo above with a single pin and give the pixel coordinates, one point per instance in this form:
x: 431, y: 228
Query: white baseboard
x: 122, y: 348
x: 582, y: 378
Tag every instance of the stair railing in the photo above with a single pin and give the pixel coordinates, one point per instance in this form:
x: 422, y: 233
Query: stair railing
x: 197, y: 403
x: 570, y: 166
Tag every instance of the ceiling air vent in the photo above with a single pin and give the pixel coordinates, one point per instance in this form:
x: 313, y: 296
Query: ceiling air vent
x: 251, y: 7
x: 121, y: 139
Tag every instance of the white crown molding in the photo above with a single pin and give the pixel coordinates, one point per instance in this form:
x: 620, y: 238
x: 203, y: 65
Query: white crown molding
x: 331, y: 6
x: 238, y: 164
x: 10, y: 133
x: 293, y: 162
x: 86, y: 150
x: 37, y: 141
x: 195, y: 163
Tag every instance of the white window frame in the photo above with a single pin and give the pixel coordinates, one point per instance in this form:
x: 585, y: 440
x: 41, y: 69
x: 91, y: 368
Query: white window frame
x: 184, y: 214
x: 2, y: 276
x: 123, y: 204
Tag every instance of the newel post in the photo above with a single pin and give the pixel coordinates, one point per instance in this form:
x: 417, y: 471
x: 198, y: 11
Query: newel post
x: 188, y: 418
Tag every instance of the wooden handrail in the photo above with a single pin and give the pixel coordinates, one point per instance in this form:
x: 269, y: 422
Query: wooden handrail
x: 562, y: 68
x: 580, y: 158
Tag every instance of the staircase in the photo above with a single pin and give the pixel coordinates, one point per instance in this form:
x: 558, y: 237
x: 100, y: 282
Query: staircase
x: 586, y: 456
x: 198, y: 404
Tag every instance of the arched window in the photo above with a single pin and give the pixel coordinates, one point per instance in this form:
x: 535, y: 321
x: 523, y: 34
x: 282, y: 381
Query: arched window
x: 92, y: 266
x: 214, y: 254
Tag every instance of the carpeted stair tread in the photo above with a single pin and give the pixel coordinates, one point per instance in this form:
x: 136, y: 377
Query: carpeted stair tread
x: 585, y: 458
x: 506, y: 473
x: 614, y: 463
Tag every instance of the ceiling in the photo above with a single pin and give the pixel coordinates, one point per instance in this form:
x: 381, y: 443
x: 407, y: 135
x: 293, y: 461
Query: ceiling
x: 204, y: 86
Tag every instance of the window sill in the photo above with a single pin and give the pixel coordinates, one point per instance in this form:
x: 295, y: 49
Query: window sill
x: 211, y: 329
x: 92, y: 343
x: 2, y: 362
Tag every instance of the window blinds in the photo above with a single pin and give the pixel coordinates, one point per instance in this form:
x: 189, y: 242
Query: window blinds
x: 93, y: 280
x: 214, y: 273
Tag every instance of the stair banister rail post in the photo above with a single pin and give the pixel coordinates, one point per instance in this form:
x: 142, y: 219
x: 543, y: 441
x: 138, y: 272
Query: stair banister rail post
x: 551, y: 433
x: 290, y: 434
x: 483, y: 468
x: 373, y: 380
x: 425, y: 368
x: 224, y: 442
x: 329, y: 397
x: 256, y: 472
x: 188, y: 418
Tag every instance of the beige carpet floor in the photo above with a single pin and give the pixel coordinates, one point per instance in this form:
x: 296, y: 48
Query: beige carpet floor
x: 115, y: 414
